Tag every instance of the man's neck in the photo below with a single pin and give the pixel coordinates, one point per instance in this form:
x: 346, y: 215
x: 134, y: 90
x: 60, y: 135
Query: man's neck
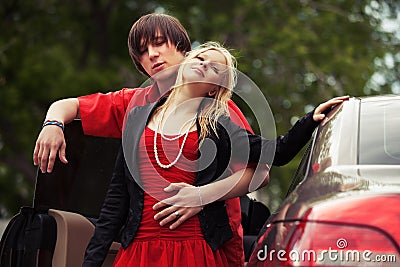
x: 165, y: 80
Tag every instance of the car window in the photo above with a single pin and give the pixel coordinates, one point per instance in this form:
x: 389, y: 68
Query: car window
x: 325, y: 147
x: 379, y: 133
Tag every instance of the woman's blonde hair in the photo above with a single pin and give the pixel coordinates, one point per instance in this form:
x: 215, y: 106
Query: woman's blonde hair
x: 211, y: 108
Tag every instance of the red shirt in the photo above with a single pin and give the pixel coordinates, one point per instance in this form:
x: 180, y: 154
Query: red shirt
x: 103, y: 114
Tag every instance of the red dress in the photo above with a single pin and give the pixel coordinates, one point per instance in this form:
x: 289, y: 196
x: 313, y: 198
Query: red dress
x: 156, y: 245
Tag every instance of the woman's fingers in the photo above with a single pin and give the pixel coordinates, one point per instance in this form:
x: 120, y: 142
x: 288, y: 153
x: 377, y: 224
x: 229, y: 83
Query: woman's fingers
x: 188, y: 213
x: 176, y: 216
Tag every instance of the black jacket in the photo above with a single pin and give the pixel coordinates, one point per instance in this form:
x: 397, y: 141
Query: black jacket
x: 121, y: 212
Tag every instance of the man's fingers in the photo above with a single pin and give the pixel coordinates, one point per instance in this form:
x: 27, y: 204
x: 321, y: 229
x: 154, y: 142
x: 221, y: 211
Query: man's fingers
x: 43, y: 157
x: 324, y: 106
x: 62, y: 154
x: 329, y: 104
x: 49, y: 144
x: 319, y: 117
x: 36, y: 155
x: 51, y: 160
x: 344, y: 97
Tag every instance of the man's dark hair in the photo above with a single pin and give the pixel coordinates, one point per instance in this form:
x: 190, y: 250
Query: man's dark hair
x: 144, y: 30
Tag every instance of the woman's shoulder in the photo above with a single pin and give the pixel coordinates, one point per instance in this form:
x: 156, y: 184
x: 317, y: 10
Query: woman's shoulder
x: 224, y: 118
x: 226, y: 125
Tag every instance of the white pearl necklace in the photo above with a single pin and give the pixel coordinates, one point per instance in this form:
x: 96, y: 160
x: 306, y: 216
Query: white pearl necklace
x: 166, y: 166
x: 179, y: 135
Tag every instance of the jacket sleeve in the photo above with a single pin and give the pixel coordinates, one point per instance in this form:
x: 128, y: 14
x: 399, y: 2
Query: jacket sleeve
x: 247, y: 147
x: 288, y: 145
x: 112, y: 216
x: 241, y: 146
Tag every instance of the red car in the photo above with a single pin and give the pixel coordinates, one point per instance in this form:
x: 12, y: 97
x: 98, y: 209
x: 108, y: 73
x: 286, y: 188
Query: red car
x: 345, y: 210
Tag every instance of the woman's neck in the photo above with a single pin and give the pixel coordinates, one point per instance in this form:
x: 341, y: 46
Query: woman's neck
x: 177, y: 116
x: 184, y: 104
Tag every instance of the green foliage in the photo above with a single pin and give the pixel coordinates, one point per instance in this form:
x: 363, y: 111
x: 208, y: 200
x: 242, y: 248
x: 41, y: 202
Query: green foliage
x: 299, y: 53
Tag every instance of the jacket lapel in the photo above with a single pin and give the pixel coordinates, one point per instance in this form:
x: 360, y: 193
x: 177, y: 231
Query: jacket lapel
x: 135, y: 124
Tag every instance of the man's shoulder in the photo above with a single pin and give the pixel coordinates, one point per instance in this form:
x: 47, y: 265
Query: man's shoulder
x: 129, y: 90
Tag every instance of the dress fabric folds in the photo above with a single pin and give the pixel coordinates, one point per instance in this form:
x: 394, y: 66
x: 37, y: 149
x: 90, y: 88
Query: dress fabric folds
x: 156, y: 245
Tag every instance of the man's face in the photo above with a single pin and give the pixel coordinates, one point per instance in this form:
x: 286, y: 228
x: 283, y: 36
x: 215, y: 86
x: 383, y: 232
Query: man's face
x: 159, y: 54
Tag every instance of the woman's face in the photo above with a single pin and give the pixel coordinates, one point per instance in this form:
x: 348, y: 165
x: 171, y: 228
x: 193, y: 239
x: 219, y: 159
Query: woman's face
x: 205, y: 70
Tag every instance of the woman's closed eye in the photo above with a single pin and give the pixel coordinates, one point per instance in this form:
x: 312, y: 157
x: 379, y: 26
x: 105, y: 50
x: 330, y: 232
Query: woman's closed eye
x: 212, y: 65
x: 200, y: 58
x: 214, y: 68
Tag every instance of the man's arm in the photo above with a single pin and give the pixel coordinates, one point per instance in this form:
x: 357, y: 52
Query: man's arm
x: 188, y: 196
x: 101, y: 115
x: 113, y: 215
x: 289, y: 145
x: 51, y: 138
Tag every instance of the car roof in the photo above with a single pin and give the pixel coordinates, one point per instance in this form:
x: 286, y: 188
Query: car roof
x: 379, y: 98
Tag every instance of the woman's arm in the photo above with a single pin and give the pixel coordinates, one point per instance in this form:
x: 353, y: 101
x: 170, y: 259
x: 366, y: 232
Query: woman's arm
x: 289, y: 145
x: 246, y: 147
x: 189, y: 200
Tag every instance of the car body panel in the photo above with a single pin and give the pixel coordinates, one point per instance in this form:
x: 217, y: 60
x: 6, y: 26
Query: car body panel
x: 344, y: 196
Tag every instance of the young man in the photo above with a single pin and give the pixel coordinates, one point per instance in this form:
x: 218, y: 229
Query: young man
x: 156, y: 42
